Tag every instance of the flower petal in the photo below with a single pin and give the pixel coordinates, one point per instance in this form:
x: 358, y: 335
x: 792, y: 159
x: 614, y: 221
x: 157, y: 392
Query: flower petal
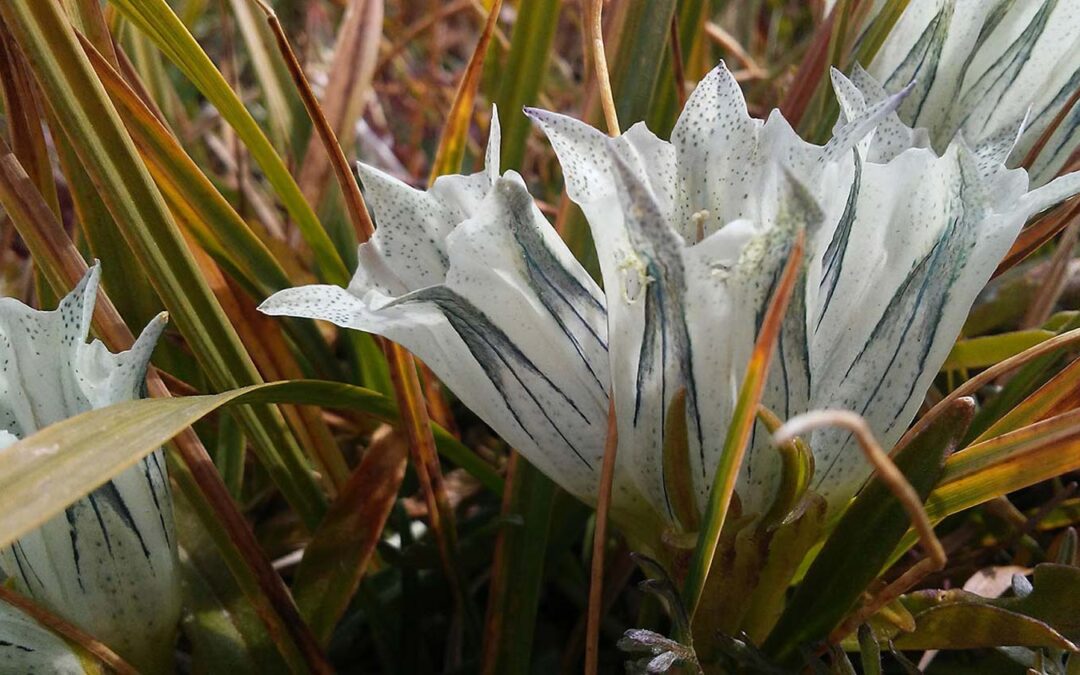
x: 927, y: 231
x: 108, y: 564
x: 982, y: 65
x: 27, y: 647
x: 516, y: 329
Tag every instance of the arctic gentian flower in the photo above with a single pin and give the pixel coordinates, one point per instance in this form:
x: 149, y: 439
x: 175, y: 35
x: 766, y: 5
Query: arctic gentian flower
x: 27, y: 647
x: 982, y: 66
x: 108, y: 563
x: 691, y: 237
x: 471, y: 278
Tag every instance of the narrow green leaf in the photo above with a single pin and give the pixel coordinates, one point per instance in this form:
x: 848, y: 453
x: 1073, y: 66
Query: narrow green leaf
x: 229, y: 455
x: 863, y: 539
x: 275, y: 85
x: 518, y: 572
x: 985, y: 351
x: 530, y: 51
x: 210, y: 218
x: 665, y: 107
x: 44, y: 472
x: 222, y: 625
x: 643, y: 41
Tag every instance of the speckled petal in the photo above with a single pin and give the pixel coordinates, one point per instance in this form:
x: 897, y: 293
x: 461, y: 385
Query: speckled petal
x: 929, y: 231
x: 28, y: 648
x: 108, y: 563
x: 981, y: 65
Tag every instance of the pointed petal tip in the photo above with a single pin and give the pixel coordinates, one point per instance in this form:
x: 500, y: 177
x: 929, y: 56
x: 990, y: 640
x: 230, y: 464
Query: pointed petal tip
x: 511, y: 190
x: 150, y: 334
x: 908, y: 88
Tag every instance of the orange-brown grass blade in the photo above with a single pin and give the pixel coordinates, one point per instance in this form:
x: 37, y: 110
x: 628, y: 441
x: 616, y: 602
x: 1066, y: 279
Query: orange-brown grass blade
x: 742, y: 422
x: 451, y: 149
x: 811, y: 70
x: 594, y: 42
x: 348, y: 83
x: 1059, y: 395
x: 1037, y: 234
x: 68, y: 631
x: 970, y: 387
x: 1044, y: 138
x: 342, y: 547
x: 354, y: 201
x: 596, y: 579
x: 23, y: 120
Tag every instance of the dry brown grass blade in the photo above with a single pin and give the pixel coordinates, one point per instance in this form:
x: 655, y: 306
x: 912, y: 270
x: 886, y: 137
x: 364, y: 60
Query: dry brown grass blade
x: 90, y: 21
x: 436, y: 400
x: 811, y: 70
x: 456, y: 133
x: 68, y: 631
x: 325, y: 133
x: 23, y: 119
x: 594, y: 32
x: 1044, y: 138
x: 887, y: 472
x: 1037, y: 234
x: 727, y: 42
x: 349, y: 83
x: 1053, y: 284
x: 500, y: 583
x: 594, y: 41
x: 339, y: 553
x: 596, y: 578
x: 413, y: 31
x: 47, y: 240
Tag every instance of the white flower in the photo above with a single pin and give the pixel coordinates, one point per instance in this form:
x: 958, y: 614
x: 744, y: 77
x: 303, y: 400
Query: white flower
x: 28, y: 648
x: 691, y: 236
x: 108, y: 563
x: 982, y: 66
x: 471, y: 278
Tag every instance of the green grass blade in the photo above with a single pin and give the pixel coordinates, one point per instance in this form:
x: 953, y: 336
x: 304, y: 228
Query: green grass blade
x: 157, y: 20
x: 530, y: 51
x: 275, y: 85
x: 107, y: 153
x: 518, y: 571
x: 643, y: 42
x: 213, y: 222
x: 665, y: 107
x: 100, y: 444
